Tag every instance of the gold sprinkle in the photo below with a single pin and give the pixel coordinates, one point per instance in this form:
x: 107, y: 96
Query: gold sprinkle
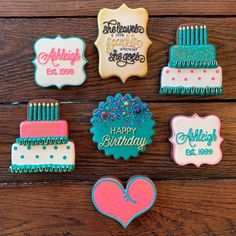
x: 123, y: 113
x: 126, y: 103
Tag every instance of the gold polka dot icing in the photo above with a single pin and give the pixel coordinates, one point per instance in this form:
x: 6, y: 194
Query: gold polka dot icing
x: 122, y: 42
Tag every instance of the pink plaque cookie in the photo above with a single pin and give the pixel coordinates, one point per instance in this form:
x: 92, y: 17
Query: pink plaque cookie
x: 123, y: 205
x: 196, y: 140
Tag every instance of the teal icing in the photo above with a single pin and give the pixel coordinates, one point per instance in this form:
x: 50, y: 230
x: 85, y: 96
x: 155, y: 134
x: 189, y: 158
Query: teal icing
x: 41, y: 168
x: 82, y: 56
x: 142, y: 121
x: 125, y: 192
x: 193, y: 56
x: 42, y: 140
x: 192, y: 91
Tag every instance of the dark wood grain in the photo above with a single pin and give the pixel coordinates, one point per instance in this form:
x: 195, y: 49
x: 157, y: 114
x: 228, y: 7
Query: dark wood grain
x: 32, y: 8
x: 182, y: 209
x: 155, y: 162
x: 17, y: 71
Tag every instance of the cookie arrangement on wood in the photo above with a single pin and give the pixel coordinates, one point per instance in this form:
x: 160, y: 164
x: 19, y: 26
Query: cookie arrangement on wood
x: 122, y: 126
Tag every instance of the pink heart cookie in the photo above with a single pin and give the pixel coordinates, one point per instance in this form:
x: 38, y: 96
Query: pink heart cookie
x: 123, y: 205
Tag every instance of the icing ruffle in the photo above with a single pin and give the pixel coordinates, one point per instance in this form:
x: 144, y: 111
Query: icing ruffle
x: 193, y: 64
x: 41, y: 168
x: 192, y: 91
x: 42, y: 141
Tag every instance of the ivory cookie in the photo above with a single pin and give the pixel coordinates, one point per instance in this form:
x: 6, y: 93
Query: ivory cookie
x: 122, y: 126
x: 59, y: 61
x: 122, y: 42
x: 192, y: 67
x: 123, y: 205
x: 196, y: 140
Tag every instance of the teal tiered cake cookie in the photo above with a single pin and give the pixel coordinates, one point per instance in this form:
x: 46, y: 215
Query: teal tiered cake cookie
x: 192, y: 68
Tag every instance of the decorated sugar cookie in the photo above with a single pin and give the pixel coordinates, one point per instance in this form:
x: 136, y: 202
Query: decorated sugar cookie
x: 123, y: 205
x: 59, y: 61
x: 196, y: 140
x: 122, y: 42
x: 192, y: 68
x: 43, y: 145
x: 122, y: 126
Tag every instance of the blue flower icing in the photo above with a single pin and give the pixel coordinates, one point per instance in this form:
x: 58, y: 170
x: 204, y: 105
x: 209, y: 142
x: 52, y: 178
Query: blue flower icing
x: 122, y: 126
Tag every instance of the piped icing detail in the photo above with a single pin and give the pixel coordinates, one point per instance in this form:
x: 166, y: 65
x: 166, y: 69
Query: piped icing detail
x: 111, y: 199
x: 59, y: 61
x: 192, y: 67
x: 122, y: 42
x: 196, y: 140
x: 37, y: 149
x: 122, y: 126
x: 192, y: 49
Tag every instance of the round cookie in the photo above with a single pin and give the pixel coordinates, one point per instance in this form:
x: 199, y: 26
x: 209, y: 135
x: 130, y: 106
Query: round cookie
x: 122, y: 126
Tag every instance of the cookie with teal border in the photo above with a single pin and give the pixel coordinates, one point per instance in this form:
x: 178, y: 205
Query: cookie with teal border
x: 111, y: 199
x: 59, y: 61
x: 122, y: 126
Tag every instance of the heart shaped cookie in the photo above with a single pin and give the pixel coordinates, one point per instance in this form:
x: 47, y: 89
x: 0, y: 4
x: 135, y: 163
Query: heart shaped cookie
x: 123, y: 205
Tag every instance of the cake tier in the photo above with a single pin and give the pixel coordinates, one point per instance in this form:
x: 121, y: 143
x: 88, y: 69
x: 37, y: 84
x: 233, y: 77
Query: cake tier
x: 43, y: 132
x: 193, y: 56
x: 191, y: 81
x: 35, y: 129
x: 50, y: 158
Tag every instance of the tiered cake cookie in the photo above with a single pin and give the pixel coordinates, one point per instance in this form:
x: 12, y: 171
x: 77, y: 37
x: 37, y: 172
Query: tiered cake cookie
x: 192, y: 69
x: 43, y: 145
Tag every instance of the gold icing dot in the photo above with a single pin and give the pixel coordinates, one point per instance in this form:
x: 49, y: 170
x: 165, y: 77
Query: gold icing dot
x: 123, y: 113
x: 126, y: 104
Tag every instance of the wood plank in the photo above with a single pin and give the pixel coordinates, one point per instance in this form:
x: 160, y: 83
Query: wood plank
x: 182, y: 208
x: 17, y: 71
x: 33, y: 8
x: 155, y: 162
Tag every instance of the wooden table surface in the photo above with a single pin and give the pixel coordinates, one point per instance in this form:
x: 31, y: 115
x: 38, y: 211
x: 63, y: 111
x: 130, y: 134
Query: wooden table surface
x: 190, y: 201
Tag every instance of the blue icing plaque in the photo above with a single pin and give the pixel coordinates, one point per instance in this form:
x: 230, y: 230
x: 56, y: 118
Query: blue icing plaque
x: 122, y: 126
